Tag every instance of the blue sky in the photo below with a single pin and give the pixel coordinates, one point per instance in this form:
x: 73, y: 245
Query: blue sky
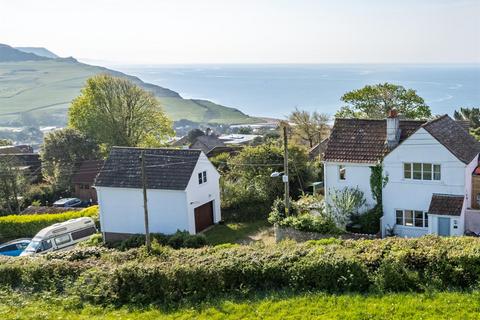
x: 248, y: 31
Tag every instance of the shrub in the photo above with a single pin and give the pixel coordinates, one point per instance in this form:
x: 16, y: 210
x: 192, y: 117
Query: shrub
x: 180, y: 239
x: 368, y: 222
x: 311, y: 223
x: 107, y: 276
x: 18, y: 226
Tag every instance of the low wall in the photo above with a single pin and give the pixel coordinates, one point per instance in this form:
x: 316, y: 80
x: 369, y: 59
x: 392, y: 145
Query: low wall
x: 282, y: 233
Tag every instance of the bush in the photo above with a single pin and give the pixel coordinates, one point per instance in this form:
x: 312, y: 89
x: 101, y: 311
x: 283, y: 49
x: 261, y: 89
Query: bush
x: 368, y: 222
x: 44, y: 194
x: 311, y: 223
x: 18, y: 226
x: 107, y: 276
x: 180, y: 239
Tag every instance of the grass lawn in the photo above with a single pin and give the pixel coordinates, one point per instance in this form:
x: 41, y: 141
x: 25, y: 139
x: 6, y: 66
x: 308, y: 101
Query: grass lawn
x: 451, y: 305
x: 240, y: 232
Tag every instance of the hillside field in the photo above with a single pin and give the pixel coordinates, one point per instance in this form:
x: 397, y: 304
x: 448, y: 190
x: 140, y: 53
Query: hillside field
x: 44, y: 89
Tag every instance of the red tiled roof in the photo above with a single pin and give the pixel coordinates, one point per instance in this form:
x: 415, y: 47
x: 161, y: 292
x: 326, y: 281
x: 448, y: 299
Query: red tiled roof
x: 446, y: 204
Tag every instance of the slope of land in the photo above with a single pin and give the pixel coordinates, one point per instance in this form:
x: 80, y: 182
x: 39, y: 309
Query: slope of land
x: 39, y: 51
x: 43, y: 88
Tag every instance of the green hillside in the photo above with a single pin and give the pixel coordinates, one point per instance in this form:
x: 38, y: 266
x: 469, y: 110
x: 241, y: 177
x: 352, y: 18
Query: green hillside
x: 43, y: 89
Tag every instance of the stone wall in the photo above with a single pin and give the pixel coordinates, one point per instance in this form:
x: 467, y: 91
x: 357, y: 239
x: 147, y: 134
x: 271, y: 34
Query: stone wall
x: 282, y: 233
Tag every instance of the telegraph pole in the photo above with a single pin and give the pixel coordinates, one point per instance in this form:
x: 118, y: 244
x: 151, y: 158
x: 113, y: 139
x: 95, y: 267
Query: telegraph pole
x: 145, y: 207
x: 285, y: 169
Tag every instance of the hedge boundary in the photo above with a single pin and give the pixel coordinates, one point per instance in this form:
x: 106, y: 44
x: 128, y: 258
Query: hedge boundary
x: 27, y: 226
x: 107, y: 276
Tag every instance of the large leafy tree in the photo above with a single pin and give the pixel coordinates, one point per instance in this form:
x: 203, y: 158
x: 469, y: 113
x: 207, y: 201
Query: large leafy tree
x: 114, y: 111
x: 473, y: 116
x: 375, y: 101
x: 309, y: 128
x: 12, y: 184
x: 468, y: 114
x: 61, y: 151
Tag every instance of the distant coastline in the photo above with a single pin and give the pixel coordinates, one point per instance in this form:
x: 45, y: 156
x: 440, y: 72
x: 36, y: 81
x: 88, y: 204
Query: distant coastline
x: 274, y: 90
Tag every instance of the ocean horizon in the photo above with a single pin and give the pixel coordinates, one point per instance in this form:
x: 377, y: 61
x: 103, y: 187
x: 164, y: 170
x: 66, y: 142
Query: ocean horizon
x: 275, y: 90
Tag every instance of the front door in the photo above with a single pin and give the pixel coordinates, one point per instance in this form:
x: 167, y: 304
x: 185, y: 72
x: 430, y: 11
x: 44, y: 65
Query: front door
x: 443, y: 226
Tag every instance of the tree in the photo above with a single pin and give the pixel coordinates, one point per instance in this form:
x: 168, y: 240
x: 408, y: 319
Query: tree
x: 116, y: 112
x: 345, y: 203
x: 193, y: 134
x: 468, y: 114
x: 5, y: 142
x: 376, y: 101
x: 61, y: 151
x: 12, y: 184
x: 310, y: 128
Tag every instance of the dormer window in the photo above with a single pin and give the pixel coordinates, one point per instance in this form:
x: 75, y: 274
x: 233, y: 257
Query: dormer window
x: 202, y: 177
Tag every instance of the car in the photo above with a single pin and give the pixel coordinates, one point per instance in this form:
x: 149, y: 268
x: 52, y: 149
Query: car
x: 61, y: 236
x: 68, y: 203
x: 15, y: 247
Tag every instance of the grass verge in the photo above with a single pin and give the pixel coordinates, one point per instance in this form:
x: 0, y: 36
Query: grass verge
x: 443, y: 305
x: 235, y: 232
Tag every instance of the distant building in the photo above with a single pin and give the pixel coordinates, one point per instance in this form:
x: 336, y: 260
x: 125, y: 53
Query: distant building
x: 83, y: 179
x: 182, y: 187
x: 316, y: 152
x: 29, y: 163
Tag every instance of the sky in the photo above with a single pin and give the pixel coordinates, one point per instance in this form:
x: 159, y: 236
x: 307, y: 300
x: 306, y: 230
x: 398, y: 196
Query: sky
x: 247, y: 31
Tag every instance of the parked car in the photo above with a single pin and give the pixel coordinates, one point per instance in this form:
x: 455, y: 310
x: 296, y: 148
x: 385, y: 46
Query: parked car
x: 68, y: 203
x: 61, y: 236
x: 15, y: 247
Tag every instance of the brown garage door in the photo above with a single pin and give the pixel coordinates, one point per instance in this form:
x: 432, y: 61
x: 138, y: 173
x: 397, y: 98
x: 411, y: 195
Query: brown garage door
x: 203, y: 216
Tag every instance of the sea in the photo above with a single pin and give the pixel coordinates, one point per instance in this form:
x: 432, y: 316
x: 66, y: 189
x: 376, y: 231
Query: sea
x: 276, y: 90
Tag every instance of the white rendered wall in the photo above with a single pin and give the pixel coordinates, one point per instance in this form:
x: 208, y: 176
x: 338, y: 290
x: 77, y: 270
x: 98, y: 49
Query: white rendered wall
x: 198, y: 194
x: 407, y: 194
x: 357, y: 175
x: 121, y: 210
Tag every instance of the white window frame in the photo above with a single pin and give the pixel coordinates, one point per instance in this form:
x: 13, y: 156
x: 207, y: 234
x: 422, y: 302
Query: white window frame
x: 422, y: 164
x: 202, y: 177
x: 403, y: 225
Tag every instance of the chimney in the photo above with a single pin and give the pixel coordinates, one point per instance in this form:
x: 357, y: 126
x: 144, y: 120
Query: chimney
x: 208, y: 132
x: 393, y: 129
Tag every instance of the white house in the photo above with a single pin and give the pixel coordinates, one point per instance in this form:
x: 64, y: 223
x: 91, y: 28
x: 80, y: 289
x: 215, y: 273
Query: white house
x: 182, y: 191
x: 428, y: 168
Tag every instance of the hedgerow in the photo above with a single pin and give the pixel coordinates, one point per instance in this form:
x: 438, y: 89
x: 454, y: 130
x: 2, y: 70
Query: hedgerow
x: 18, y: 226
x: 107, y: 276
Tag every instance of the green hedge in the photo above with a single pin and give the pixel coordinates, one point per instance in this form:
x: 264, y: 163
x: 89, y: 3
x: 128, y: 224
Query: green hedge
x: 107, y: 276
x: 18, y: 226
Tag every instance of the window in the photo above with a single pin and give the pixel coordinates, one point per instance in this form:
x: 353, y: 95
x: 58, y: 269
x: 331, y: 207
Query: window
x: 421, y: 171
x: 342, y: 172
x: 407, y: 170
x: 202, y: 177
x: 411, y: 218
x: 62, y: 239
x: 83, y: 233
x: 46, y: 244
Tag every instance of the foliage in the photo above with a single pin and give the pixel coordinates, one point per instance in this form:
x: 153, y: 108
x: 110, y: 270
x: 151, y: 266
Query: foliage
x: 194, y: 134
x: 102, y: 276
x: 367, y: 222
x: 376, y: 101
x: 468, y: 114
x: 61, y: 151
x: 18, y: 226
x: 180, y: 239
x: 44, y: 193
x: 345, y: 203
x: 309, y: 128
x: 306, y: 214
x: 5, y: 142
x: 13, y: 183
x: 116, y: 112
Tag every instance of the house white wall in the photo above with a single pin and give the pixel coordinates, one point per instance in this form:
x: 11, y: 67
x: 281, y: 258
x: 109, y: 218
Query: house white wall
x: 407, y: 194
x: 198, y: 194
x: 356, y: 175
x: 121, y: 210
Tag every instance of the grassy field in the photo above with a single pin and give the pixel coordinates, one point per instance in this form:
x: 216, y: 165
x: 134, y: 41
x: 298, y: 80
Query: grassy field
x: 447, y: 305
x: 239, y: 232
x: 46, y: 88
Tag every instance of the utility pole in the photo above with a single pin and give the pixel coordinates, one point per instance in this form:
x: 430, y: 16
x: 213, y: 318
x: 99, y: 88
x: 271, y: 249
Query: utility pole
x: 285, y: 169
x: 145, y: 207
